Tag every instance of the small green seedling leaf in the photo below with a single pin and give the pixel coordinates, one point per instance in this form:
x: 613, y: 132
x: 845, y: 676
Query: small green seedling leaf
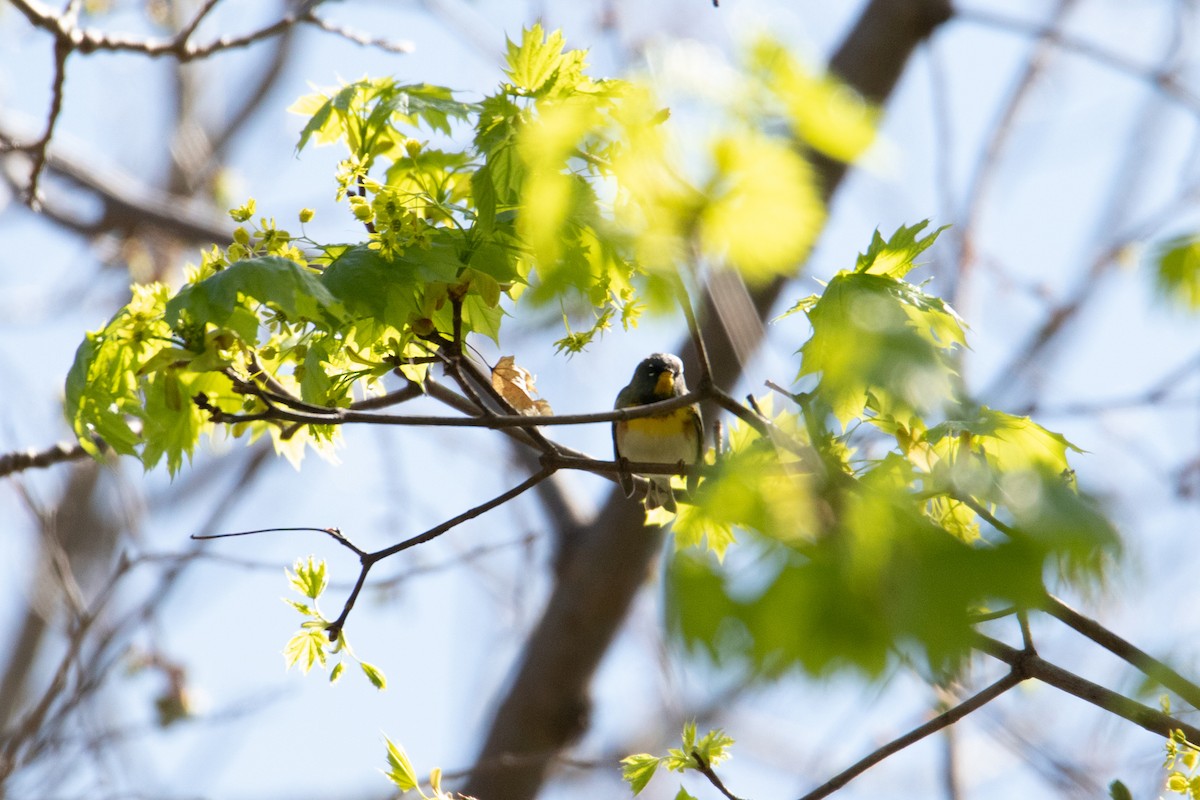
x: 400, y: 769
x: 374, y: 675
x: 638, y: 769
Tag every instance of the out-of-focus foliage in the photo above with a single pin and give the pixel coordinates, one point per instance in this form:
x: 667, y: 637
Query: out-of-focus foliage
x: 862, y: 556
x: 1177, y: 270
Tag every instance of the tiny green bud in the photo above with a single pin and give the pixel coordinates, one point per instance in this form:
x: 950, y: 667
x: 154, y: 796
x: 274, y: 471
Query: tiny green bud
x: 306, y: 215
x: 241, y: 236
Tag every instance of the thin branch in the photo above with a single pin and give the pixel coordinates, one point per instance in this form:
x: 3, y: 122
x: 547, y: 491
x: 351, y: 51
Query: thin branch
x: 369, y: 560
x: 337, y: 416
x: 1143, y: 661
x: 21, y: 460
x: 1164, y: 80
x: 1031, y: 665
x: 62, y: 49
x: 943, y: 720
x: 185, y: 34
x: 689, y: 314
x: 335, y: 533
x: 706, y: 770
x: 84, y: 40
x: 361, y: 39
x: 990, y: 160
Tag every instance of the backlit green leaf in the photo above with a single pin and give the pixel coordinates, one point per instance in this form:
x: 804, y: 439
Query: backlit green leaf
x: 765, y: 209
x: 880, y: 340
x: 286, y: 286
x: 638, y: 769
x: 374, y: 675
x: 400, y: 769
x: 1177, y: 269
x: 896, y: 257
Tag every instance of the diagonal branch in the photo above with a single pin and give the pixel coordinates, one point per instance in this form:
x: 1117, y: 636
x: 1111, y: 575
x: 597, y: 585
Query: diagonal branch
x: 943, y: 720
x: 1143, y: 661
x: 1031, y: 665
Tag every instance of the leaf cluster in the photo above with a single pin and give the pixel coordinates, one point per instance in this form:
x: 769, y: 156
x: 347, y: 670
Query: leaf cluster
x: 556, y: 189
x: 698, y: 754
x: 881, y: 513
x: 311, y: 645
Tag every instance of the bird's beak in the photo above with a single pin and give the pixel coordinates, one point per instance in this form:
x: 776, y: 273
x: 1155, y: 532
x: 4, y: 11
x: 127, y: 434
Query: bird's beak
x: 665, y: 385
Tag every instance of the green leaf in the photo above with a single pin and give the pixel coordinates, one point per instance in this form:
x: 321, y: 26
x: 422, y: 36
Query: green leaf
x: 878, y: 340
x: 318, y: 123
x: 301, y: 607
x: 823, y: 112
x: 638, y: 769
x: 1119, y: 791
x: 389, y: 289
x: 883, y: 581
x: 1177, y: 270
x: 172, y: 422
x: 102, y: 388
x: 290, y: 288
x: 714, y: 747
x: 306, y: 649
x: 336, y: 673
x: 684, y: 794
x: 309, y: 578
x: 1008, y: 442
x: 896, y: 257
x: 535, y: 61
x: 400, y: 769
x: 765, y: 209
x: 374, y: 675
x: 434, y: 105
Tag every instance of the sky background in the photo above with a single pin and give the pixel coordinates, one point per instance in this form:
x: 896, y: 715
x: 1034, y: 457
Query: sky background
x: 446, y: 632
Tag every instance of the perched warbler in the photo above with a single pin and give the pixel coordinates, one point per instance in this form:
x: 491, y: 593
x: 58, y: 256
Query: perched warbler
x: 670, y: 438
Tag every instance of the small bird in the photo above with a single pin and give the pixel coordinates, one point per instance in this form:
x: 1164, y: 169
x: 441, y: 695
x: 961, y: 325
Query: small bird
x: 671, y: 438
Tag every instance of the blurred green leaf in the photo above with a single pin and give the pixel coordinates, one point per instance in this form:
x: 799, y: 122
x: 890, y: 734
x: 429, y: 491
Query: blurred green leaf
x: 881, y: 341
x: 1177, y: 269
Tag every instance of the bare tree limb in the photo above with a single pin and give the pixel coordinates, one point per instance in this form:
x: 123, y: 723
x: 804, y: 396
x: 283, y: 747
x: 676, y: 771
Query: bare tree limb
x: 22, y: 460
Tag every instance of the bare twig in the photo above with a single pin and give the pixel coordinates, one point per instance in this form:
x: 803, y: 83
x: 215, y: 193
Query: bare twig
x: 1143, y: 661
x: 946, y: 718
x: 62, y: 49
x: 361, y: 39
x: 1031, y: 665
x: 705, y: 769
x: 21, y: 460
x: 369, y: 560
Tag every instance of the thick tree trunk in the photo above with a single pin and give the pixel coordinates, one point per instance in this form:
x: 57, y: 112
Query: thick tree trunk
x: 546, y: 706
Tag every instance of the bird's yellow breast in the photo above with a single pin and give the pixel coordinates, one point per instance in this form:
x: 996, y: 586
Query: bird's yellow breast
x: 666, y: 438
